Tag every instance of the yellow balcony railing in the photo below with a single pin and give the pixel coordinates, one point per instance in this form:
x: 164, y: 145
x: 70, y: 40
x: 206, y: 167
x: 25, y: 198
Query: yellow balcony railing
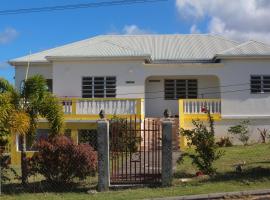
x: 195, y: 106
x: 90, y: 107
x: 192, y: 109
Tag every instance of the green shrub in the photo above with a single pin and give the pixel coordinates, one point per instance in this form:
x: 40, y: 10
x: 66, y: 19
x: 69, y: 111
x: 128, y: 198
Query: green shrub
x: 203, y: 139
x: 241, y: 131
x: 60, y: 160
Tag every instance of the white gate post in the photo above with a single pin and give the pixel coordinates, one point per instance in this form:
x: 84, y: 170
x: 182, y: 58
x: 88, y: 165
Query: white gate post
x: 103, y: 153
x: 167, y: 165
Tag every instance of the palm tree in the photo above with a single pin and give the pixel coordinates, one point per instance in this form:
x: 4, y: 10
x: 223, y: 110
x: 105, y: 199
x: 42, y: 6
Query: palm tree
x: 34, y: 101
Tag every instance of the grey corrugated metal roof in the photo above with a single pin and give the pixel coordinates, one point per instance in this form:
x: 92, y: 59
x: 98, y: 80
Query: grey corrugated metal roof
x: 250, y: 48
x: 178, y: 47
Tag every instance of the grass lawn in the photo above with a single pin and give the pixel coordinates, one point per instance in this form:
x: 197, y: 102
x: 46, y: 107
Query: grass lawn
x: 256, y: 175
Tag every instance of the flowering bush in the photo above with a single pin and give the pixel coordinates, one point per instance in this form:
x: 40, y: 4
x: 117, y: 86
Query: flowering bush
x: 60, y: 160
x: 203, y: 140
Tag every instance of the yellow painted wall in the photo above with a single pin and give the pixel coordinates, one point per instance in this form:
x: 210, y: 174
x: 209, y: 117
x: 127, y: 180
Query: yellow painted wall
x: 16, y: 155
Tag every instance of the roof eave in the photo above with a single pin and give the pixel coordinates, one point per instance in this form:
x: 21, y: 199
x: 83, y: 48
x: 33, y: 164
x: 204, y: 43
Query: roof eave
x: 250, y: 56
x: 97, y: 58
x: 20, y: 62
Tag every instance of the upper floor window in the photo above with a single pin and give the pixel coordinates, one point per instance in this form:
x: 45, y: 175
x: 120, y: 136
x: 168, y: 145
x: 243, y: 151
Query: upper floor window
x: 260, y: 84
x: 99, y: 87
x: 49, y: 84
x: 180, y: 89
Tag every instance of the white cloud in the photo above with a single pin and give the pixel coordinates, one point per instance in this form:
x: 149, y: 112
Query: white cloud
x: 130, y: 30
x: 134, y: 30
x: 240, y: 20
x: 8, y: 35
x: 194, y: 29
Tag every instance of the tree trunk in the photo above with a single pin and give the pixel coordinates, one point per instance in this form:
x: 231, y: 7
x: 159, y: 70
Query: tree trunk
x: 23, y: 161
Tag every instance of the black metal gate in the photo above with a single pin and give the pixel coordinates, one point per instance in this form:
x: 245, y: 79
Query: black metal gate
x: 135, y: 151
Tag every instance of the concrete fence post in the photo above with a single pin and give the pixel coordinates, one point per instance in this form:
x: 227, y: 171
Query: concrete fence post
x: 103, y: 153
x: 167, y: 151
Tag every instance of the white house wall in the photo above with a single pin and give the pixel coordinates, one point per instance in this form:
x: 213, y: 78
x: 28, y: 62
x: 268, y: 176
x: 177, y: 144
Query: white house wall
x: 208, y: 87
x: 68, y: 77
x: 243, y: 103
x: 221, y: 128
x: 232, y: 75
x: 20, y: 71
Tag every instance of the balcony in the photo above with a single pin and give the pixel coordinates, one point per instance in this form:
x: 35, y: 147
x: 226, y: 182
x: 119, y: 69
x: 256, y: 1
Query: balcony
x: 192, y: 108
x: 89, y: 108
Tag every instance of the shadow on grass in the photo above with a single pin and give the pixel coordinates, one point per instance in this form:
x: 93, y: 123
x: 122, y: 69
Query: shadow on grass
x: 247, y: 175
x: 250, y: 174
x: 181, y: 174
x: 43, y: 186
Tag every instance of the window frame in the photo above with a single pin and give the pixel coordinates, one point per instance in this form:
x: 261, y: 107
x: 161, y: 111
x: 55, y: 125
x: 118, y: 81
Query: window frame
x: 176, y: 89
x: 107, y: 90
x: 261, y: 86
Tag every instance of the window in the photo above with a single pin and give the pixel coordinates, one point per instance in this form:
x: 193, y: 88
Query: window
x: 49, y: 84
x: 98, y: 87
x: 260, y: 84
x: 180, y: 89
x: 31, y: 140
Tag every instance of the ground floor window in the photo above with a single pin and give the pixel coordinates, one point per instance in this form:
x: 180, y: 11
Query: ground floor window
x: 180, y: 89
x: 88, y: 136
x: 31, y: 140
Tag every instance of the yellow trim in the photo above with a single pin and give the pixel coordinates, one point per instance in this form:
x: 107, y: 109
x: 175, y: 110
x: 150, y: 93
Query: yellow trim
x: 74, y: 107
x: 74, y: 135
x: 96, y: 99
x: 183, y: 140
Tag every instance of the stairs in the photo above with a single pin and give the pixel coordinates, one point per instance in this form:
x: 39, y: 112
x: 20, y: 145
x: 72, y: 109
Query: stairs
x: 151, y: 126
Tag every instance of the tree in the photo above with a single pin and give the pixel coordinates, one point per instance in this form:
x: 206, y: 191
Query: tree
x: 12, y: 120
x: 35, y: 101
x: 241, y: 131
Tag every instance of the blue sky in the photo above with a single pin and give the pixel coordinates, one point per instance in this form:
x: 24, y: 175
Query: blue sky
x: 39, y: 31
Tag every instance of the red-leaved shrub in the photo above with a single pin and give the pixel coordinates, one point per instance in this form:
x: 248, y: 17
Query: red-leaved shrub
x: 60, y: 160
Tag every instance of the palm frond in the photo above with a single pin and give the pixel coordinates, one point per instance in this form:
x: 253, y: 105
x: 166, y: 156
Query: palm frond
x: 53, y: 112
x: 34, y: 88
x: 5, y: 86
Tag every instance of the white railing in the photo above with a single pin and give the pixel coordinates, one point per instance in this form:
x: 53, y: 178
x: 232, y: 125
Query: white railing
x: 195, y: 106
x: 85, y: 106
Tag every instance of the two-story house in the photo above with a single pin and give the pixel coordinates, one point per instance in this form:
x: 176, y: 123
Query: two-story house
x: 143, y: 75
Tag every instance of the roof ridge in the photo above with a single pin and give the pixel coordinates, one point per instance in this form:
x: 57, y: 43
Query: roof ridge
x: 156, y: 34
x: 232, y: 48
x: 243, y: 44
x: 264, y: 44
x: 223, y: 38
x: 125, y: 47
